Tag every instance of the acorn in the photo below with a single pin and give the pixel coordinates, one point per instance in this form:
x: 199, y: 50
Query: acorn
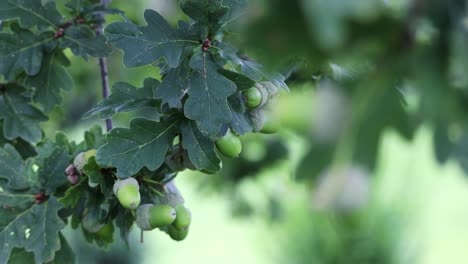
x: 252, y: 97
x: 176, y: 234
x: 150, y: 216
x: 183, y: 217
x: 230, y: 145
x: 128, y: 193
x: 82, y: 158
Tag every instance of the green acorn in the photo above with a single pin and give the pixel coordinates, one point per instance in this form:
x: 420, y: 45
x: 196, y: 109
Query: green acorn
x: 128, y: 193
x: 82, y: 158
x: 151, y: 216
x: 88, y: 154
x: 176, y: 234
x: 230, y: 145
x: 183, y: 217
x: 106, y: 231
x: 252, y: 97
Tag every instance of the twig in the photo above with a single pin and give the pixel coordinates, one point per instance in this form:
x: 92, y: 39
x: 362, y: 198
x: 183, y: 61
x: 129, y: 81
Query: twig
x: 151, y: 181
x: 156, y: 191
x: 103, y: 66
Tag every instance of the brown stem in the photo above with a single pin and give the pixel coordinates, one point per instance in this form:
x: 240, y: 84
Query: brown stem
x: 104, y: 70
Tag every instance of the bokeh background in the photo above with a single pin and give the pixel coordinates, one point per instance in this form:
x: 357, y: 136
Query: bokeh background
x: 408, y: 208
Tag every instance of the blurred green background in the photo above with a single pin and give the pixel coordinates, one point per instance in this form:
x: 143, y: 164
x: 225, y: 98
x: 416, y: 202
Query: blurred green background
x: 412, y: 209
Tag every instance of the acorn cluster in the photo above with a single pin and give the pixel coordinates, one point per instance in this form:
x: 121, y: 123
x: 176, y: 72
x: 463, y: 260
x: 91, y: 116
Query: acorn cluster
x: 173, y: 219
x: 259, y: 100
x: 151, y: 197
x: 154, y: 204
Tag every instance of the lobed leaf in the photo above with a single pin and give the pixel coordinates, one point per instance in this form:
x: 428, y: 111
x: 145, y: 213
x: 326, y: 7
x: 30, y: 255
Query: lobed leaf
x: 52, y: 173
x: 249, y: 68
x: 73, y: 194
x: 24, y: 148
x: 208, y: 93
x: 94, y: 138
x: 20, y: 118
x: 174, y: 85
x: 21, y: 51
x: 240, y: 122
x: 147, y: 45
x: 207, y: 14
x: 144, y: 144
x: 31, y: 13
x: 96, y: 177
x: 51, y: 79
x: 83, y: 42
x: 127, y: 98
x: 200, y: 148
x: 35, y: 228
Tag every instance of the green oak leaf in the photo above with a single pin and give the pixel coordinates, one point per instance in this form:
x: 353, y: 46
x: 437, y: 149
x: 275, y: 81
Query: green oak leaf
x: 12, y: 204
x: 73, y: 194
x: 127, y: 98
x: 52, y: 173
x: 21, y: 51
x: 237, y: 8
x: 95, y: 214
x: 76, y: 5
x: 20, y: 118
x: 31, y: 13
x: 44, y: 149
x: 240, y: 122
x: 149, y: 44
x: 206, y: 13
x: 249, y: 68
x: 124, y: 221
x: 174, y: 85
x: 96, y: 177
x: 208, y: 93
x: 64, y: 255
x: 51, y: 79
x: 35, y: 228
x: 20, y: 256
x: 243, y: 82
x: 94, y: 138
x: 200, y: 148
x: 61, y: 140
x: 25, y: 149
x: 83, y: 42
x: 13, y: 169
x: 144, y: 144
x: 278, y: 80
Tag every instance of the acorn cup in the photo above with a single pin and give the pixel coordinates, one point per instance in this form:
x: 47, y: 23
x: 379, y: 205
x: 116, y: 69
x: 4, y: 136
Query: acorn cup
x: 268, y: 91
x: 128, y: 193
x: 82, y: 158
x: 150, y: 216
